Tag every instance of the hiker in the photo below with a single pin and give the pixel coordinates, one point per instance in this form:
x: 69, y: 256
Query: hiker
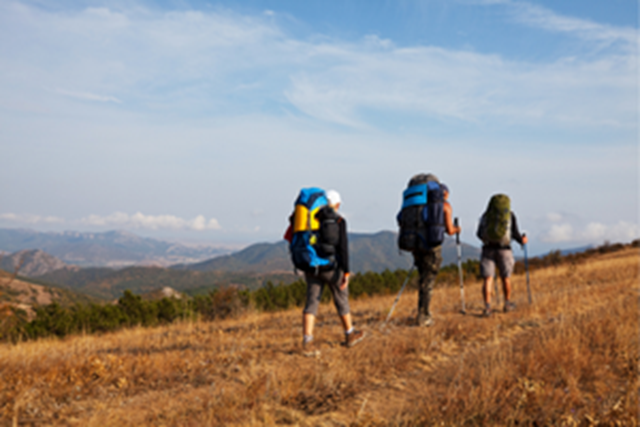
x: 332, y: 245
x: 424, y: 218
x: 498, y: 226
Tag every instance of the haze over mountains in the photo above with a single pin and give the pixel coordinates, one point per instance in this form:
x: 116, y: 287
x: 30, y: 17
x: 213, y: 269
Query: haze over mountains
x: 118, y: 249
x: 110, y: 249
x: 100, y: 253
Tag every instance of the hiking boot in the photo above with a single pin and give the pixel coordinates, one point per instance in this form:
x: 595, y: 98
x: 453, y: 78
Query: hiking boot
x: 425, y: 320
x: 509, y: 306
x: 486, y: 312
x: 309, y: 349
x: 354, y: 338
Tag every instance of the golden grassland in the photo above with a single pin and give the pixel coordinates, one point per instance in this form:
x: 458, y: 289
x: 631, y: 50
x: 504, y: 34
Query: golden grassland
x: 569, y: 359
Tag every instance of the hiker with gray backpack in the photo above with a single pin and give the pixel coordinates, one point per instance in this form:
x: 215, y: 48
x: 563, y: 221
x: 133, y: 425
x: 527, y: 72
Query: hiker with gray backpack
x: 318, y: 244
x: 498, y: 226
x: 424, y: 218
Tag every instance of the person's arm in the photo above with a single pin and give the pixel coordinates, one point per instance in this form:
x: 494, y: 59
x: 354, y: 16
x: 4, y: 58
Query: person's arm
x: 480, y: 226
x: 515, y: 232
x: 448, y: 220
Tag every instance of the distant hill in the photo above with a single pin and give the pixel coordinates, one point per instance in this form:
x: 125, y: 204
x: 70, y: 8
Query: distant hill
x: 367, y: 252
x: 31, y: 263
x: 107, y: 283
x: 109, y: 249
x: 165, y: 292
x: 250, y: 268
x: 379, y: 251
x: 25, y: 293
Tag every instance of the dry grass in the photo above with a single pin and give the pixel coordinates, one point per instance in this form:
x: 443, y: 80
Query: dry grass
x: 569, y: 359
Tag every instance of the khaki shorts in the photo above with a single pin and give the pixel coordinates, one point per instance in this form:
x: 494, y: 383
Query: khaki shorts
x: 492, y: 256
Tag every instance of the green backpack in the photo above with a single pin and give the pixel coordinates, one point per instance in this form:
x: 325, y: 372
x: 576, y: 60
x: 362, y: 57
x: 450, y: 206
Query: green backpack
x: 495, y: 225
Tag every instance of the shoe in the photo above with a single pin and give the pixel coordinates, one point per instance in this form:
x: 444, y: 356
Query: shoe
x: 486, y: 312
x: 354, y: 338
x: 425, y: 320
x: 309, y: 349
x: 509, y: 306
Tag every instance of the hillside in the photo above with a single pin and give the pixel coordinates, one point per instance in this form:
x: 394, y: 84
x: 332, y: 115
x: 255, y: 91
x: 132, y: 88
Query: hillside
x: 24, y: 293
x: 107, y: 284
x: 108, y: 249
x: 367, y: 252
x: 31, y: 263
x: 571, y: 358
x: 251, y: 267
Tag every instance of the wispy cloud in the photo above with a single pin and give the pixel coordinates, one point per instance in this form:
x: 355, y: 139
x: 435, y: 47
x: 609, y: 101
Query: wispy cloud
x: 546, y: 19
x: 193, y: 62
x: 86, y: 96
x: 30, y: 219
x: 151, y: 222
x: 466, y: 86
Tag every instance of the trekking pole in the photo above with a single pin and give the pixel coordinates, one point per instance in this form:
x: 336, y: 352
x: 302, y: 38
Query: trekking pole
x: 455, y: 223
x: 400, y: 293
x: 526, y: 269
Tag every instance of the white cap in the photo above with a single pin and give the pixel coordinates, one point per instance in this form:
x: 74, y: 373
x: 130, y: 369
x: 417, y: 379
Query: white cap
x: 334, y: 197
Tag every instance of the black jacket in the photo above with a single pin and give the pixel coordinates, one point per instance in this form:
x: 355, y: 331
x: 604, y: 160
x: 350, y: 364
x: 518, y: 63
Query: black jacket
x: 338, y: 239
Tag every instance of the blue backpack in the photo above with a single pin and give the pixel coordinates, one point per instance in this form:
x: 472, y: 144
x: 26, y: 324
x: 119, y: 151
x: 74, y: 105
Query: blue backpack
x: 305, y: 243
x: 421, y: 218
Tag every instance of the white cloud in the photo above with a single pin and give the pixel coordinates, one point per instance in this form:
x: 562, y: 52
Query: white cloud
x: 151, y: 222
x: 554, y: 217
x: 559, y: 233
x: 192, y: 62
x: 593, y: 232
x: 541, y: 17
x: 467, y: 86
x: 86, y: 96
x: 30, y: 219
x: 620, y: 232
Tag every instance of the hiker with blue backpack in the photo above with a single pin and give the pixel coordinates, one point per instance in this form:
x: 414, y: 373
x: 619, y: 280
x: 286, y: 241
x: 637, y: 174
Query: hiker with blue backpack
x: 424, y: 218
x: 497, y: 227
x: 319, y: 247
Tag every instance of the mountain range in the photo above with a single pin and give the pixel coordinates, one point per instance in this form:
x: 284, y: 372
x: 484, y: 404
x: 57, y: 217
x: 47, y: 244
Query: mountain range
x: 110, y: 249
x: 367, y: 252
x: 31, y: 263
x: 250, y: 267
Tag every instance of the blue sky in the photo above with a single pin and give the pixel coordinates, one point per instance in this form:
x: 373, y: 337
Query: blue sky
x: 200, y: 121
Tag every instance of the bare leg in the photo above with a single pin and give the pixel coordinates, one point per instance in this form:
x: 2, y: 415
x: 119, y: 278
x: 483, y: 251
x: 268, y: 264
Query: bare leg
x: 307, y: 323
x: 486, y: 290
x: 506, y: 288
x: 346, y: 322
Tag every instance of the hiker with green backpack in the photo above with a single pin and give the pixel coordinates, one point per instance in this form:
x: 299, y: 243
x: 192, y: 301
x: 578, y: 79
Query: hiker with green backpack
x: 498, y: 226
x: 318, y: 244
x: 424, y: 218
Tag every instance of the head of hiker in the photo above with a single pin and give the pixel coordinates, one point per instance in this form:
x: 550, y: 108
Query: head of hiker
x: 334, y: 199
x: 445, y: 191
